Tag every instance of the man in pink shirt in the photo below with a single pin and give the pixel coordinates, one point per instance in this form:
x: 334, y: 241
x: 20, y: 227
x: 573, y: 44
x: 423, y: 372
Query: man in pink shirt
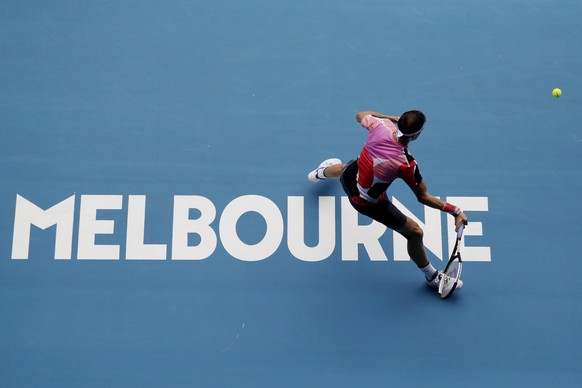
x: 383, y: 159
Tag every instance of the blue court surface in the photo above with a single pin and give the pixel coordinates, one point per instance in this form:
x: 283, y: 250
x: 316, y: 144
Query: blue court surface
x: 157, y: 228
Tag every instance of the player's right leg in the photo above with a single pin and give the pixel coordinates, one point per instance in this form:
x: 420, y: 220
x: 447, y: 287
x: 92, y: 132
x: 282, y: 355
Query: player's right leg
x: 414, y: 236
x: 415, y: 246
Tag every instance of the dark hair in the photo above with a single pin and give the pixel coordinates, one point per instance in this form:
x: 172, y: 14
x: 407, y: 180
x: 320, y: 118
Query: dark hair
x: 411, y: 122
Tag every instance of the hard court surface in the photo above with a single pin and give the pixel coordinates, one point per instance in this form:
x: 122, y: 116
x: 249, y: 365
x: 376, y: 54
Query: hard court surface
x: 119, y: 110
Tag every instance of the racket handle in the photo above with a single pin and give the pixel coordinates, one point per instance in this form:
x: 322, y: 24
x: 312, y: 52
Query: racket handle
x: 460, y: 231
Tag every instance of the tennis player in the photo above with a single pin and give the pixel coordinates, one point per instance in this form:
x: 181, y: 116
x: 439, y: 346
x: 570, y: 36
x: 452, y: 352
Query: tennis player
x: 383, y: 159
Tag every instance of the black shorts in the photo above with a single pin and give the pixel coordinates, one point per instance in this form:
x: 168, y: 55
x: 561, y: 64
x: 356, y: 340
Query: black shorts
x: 383, y: 211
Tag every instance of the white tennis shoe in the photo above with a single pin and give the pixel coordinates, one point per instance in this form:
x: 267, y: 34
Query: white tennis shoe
x: 459, y: 285
x: 317, y: 174
x: 434, y: 283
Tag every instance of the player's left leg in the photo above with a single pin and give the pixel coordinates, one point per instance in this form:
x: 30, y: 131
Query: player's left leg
x: 330, y: 168
x: 334, y: 171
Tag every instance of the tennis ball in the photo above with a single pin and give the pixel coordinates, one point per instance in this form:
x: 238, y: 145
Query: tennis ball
x: 557, y: 93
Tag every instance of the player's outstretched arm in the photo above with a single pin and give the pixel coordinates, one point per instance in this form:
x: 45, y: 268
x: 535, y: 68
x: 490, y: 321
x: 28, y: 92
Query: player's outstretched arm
x: 424, y: 197
x: 360, y: 116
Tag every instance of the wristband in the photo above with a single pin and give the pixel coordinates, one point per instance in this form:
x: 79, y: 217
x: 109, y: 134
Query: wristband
x: 451, y: 209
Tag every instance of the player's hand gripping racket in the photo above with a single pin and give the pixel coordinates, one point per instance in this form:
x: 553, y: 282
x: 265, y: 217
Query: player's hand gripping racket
x: 452, y: 273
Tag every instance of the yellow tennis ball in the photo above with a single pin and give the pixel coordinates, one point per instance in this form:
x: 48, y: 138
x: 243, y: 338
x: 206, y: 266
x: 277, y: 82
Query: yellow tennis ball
x: 557, y: 93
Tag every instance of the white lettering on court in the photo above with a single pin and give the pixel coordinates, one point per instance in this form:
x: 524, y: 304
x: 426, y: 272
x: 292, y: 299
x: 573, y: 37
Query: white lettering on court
x: 273, y: 236
x: 183, y: 227
x: 296, y: 229
x: 475, y: 228
x: 90, y: 227
x: 27, y: 214
x: 354, y: 234
x: 196, y: 216
x: 135, y: 248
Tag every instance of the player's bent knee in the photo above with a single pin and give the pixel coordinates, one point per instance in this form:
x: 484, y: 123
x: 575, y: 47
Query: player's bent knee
x: 417, y: 232
x: 412, y: 230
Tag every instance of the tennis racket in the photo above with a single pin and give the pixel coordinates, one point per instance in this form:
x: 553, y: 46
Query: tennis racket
x: 452, y: 272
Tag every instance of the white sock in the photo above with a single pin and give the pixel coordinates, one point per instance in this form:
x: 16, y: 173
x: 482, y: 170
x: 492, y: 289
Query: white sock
x: 319, y: 173
x: 429, y: 272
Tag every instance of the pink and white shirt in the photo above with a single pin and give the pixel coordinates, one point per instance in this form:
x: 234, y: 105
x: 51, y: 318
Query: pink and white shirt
x: 382, y: 160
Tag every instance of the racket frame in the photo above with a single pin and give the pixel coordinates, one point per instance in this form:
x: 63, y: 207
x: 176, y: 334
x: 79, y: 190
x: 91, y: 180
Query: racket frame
x: 456, y: 254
